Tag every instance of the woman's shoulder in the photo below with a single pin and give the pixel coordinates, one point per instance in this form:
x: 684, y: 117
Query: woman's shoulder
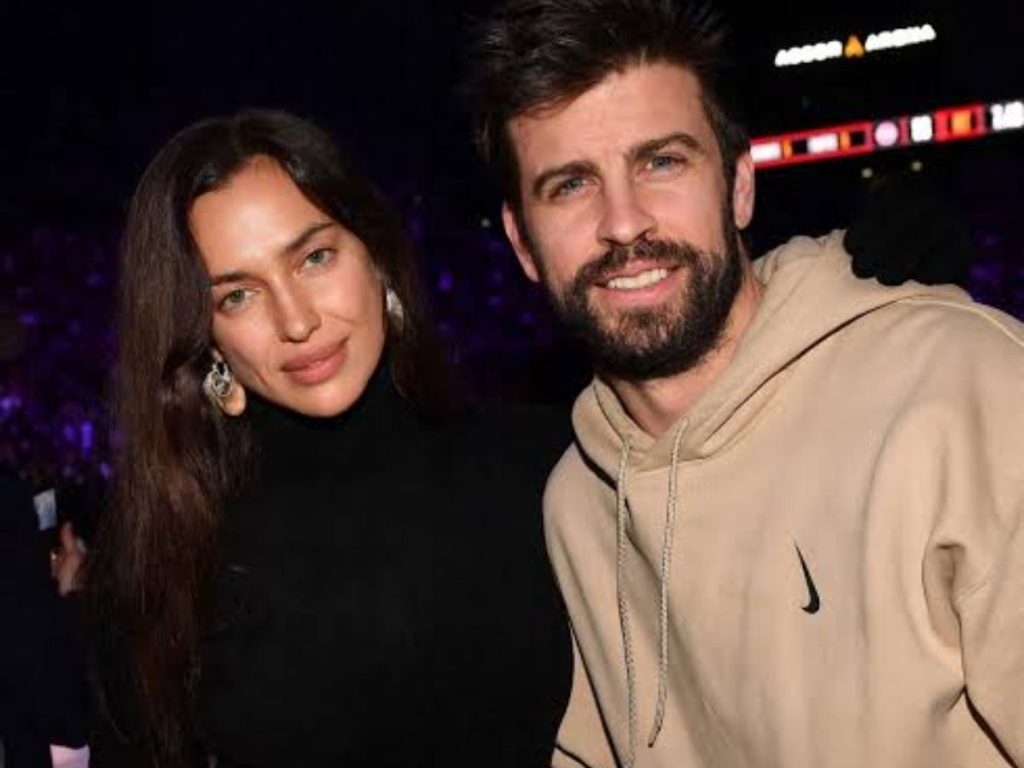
x: 515, y: 437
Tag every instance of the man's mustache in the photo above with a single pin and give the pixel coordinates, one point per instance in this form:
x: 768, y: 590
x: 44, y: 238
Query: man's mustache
x: 663, y: 253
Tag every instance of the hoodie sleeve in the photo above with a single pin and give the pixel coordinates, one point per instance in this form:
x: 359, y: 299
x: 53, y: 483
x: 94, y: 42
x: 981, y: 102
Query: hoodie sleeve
x: 983, y: 499
x: 582, y: 740
x: 992, y: 637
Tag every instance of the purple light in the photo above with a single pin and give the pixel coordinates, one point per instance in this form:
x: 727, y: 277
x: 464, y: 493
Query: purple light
x: 9, y: 404
x: 86, y: 435
x: 445, y: 282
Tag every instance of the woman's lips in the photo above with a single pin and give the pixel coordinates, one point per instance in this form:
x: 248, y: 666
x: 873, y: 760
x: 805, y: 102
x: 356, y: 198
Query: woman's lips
x: 317, y: 366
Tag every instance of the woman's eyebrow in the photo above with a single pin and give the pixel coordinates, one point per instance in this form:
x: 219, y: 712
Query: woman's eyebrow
x: 297, y: 244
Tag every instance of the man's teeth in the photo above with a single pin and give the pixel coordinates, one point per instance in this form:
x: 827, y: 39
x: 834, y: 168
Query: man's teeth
x: 635, y: 282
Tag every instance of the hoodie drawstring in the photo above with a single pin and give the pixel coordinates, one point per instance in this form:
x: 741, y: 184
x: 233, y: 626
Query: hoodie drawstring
x: 620, y: 587
x: 666, y: 573
x: 620, y: 590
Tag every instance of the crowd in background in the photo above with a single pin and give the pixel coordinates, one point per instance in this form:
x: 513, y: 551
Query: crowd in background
x: 57, y: 292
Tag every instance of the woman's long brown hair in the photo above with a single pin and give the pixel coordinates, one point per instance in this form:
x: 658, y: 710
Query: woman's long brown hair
x: 178, y: 457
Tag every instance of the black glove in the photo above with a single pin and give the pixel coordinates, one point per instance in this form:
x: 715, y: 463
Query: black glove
x: 907, y: 231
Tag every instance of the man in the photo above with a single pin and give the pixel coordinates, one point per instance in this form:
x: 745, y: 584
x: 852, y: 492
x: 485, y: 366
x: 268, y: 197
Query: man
x: 789, y: 531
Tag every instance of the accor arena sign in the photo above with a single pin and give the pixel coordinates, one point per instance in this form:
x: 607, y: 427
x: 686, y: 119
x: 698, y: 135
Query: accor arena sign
x: 855, y: 46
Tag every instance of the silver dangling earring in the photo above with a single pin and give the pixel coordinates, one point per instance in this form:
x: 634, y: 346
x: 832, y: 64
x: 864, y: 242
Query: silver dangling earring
x: 218, y: 382
x: 394, y: 308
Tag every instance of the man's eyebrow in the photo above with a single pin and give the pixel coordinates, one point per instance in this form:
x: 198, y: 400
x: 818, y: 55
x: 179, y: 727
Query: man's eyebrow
x: 648, y: 148
x: 294, y: 246
x: 573, y: 168
x: 644, y: 149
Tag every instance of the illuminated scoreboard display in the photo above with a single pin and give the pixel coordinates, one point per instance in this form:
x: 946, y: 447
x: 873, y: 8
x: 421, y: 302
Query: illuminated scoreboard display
x: 969, y: 121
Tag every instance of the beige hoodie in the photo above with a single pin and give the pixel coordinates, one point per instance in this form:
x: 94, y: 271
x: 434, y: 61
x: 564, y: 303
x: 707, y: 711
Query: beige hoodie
x: 843, y: 581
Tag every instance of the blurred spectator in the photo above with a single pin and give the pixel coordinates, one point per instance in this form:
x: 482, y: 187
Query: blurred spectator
x: 42, y: 681
x: 907, y: 214
x: 57, y: 337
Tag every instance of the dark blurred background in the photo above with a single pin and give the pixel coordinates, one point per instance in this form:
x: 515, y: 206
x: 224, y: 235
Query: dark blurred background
x: 90, y: 91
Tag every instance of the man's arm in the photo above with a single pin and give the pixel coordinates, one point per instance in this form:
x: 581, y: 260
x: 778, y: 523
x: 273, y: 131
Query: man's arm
x: 992, y: 641
x: 981, y: 525
x: 582, y: 740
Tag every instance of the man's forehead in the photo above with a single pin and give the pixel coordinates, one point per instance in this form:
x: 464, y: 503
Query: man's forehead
x: 626, y: 108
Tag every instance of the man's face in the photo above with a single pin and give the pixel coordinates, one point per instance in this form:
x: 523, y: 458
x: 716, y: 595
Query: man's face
x: 627, y: 220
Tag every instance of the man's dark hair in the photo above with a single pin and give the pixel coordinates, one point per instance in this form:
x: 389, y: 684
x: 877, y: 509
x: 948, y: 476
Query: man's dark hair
x: 532, y: 54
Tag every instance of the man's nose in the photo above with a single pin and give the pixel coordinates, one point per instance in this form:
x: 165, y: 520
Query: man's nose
x: 624, y: 218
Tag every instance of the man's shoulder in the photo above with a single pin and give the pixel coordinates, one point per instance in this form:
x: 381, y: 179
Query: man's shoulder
x: 935, y: 363
x: 965, y: 317
x: 575, y: 484
x: 569, y: 506
x: 948, y: 333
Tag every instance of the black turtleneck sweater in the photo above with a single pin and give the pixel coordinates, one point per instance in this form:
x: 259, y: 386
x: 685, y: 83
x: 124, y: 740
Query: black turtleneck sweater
x: 384, y: 596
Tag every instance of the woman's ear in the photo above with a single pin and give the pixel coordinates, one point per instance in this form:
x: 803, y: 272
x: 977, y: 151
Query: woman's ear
x: 222, y: 388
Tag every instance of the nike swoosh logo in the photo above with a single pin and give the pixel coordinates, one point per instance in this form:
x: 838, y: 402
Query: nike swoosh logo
x: 815, y: 603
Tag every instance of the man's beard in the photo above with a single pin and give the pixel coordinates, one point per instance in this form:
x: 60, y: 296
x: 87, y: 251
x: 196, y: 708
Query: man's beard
x: 644, y: 344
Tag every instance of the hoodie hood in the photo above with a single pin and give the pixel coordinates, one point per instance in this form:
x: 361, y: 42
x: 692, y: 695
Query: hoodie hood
x: 782, y: 330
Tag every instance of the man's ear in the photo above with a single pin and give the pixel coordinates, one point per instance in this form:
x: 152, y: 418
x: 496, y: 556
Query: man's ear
x: 519, y: 242
x: 743, y: 192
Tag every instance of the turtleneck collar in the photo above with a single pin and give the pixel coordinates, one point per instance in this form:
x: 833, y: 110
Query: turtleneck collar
x: 375, y: 412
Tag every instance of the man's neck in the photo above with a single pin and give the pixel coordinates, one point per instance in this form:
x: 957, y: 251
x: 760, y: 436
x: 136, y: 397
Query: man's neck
x: 659, y: 403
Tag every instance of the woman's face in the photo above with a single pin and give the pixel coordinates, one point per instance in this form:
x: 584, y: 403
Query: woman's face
x: 297, y: 302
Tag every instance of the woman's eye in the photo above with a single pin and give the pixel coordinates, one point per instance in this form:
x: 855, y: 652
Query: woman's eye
x: 234, y: 299
x: 319, y: 257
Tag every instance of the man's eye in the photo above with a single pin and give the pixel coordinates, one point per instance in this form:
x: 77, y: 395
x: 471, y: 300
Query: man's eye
x: 664, y: 162
x: 568, y: 187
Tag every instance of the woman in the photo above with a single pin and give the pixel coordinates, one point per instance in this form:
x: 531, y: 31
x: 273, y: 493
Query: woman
x: 313, y: 559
